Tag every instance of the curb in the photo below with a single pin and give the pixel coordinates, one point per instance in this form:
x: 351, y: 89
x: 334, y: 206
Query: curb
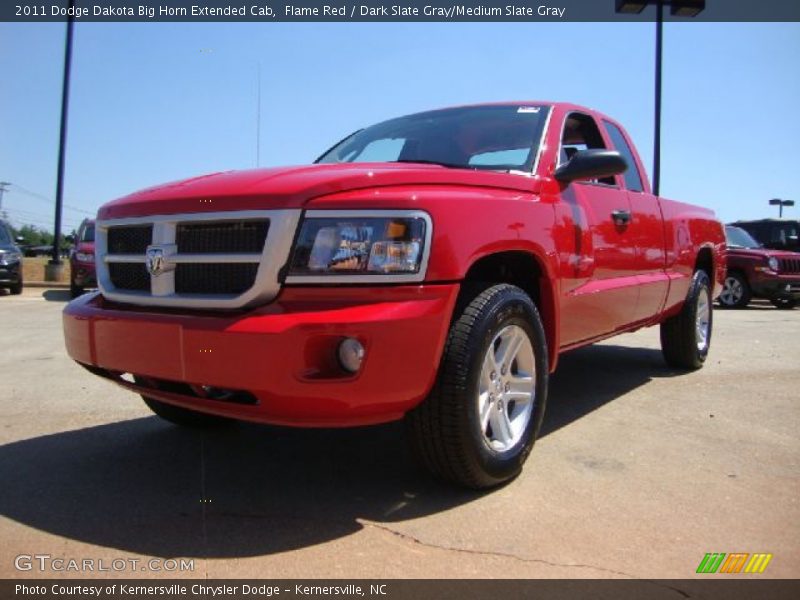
x: 46, y: 284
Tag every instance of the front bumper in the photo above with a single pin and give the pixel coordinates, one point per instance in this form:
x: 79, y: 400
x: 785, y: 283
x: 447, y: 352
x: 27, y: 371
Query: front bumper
x: 786, y: 286
x: 282, y: 356
x: 10, y: 273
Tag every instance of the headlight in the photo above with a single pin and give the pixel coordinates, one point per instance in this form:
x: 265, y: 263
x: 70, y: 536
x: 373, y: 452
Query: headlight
x: 773, y: 263
x: 84, y: 256
x: 10, y: 257
x: 361, y: 246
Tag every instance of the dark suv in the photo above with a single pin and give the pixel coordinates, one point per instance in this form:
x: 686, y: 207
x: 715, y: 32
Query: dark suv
x: 778, y: 234
x: 10, y: 261
x: 757, y: 272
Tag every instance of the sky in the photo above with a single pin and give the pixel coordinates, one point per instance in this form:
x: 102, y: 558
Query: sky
x: 156, y: 102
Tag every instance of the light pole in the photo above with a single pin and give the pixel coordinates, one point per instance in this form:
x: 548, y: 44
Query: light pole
x: 780, y: 204
x: 678, y: 8
x: 52, y: 271
x: 258, y: 115
x: 3, y: 188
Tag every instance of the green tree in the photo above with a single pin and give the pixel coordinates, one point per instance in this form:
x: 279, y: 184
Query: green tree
x: 34, y: 236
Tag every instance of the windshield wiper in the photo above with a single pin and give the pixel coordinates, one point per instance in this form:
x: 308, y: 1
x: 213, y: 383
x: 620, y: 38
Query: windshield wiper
x: 432, y: 162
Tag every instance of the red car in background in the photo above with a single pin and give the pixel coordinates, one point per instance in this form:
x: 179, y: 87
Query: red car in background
x: 757, y: 272
x: 81, y: 261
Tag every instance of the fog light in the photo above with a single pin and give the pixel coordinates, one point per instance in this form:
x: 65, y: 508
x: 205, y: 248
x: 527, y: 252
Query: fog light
x: 351, y: 353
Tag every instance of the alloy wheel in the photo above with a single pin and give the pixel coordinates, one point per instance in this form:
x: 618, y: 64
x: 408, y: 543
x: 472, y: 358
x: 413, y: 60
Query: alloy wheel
x: 732, y: 291
x: 507, y: 388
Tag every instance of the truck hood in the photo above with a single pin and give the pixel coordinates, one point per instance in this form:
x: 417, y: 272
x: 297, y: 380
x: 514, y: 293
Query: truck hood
x: 293, y: 187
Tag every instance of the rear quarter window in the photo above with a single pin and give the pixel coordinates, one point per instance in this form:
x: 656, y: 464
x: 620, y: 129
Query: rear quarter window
x: 633, y: 179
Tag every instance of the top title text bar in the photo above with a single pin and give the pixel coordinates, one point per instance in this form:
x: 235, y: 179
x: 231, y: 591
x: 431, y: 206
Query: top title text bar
x: 384, y: 11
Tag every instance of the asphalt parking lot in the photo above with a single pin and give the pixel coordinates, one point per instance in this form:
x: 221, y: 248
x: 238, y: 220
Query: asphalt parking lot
x: 640, y: 471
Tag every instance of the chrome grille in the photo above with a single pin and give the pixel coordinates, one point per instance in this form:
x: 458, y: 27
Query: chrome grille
x: 231, y: 236
x: 129, y: 240
x: 214, y: 278
x: 789, y: 265
x: 202, y: 260
x: 129, y: 276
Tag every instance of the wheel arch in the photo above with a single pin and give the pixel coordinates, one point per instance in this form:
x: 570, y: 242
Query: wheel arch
x: 526, y: 270
x: 705, y: 261
x: 738, y: 271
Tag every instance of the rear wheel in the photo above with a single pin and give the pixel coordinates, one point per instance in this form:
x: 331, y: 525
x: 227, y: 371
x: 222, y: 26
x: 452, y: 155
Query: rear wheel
x: 478, y: 425
x: 783, y: 302
x: 183, y: 416
x: 686, y: 337
x: 735, y: 292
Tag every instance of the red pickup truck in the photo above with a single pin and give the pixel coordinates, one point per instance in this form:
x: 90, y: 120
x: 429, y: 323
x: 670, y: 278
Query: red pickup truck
x: 431, y: 267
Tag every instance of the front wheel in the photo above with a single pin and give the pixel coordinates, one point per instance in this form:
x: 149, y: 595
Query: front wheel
x: 478, y: 425
x: 735, y: 292
x: 16, y: 289
x: 686, y: 337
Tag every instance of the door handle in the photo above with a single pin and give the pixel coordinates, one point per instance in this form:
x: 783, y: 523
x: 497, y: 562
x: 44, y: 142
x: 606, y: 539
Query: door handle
x: 621, y: 217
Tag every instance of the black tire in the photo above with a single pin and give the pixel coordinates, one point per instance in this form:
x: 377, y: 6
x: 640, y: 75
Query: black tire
x: 681, y: 345
x: 75, y: 290
x: 183, y: 416
x: 783, y: 302
x: 736, y: 291
x: 445, y: 430
x: 16, y: 289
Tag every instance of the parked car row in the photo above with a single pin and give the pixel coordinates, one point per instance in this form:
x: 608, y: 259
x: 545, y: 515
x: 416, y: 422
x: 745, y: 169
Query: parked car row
x: 761, y: 263
x: 42, y: 250
x: 81, y: 259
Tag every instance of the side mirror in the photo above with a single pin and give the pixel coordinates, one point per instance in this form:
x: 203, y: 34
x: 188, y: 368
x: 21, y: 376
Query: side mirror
x: 70, y: 239
x: 19, y: 239
x: 591, y: 164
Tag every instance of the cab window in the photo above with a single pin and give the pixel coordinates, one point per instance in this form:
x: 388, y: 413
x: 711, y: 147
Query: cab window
x: 581, y: 133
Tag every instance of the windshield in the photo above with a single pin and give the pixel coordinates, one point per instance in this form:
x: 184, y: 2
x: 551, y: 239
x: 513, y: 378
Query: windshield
x: 739, y: 238
x: 88, y: 234
x: 5, y: 238
x: 501, y: 138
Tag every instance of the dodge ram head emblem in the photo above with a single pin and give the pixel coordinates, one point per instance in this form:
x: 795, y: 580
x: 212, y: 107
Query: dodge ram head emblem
x: 155, y: 261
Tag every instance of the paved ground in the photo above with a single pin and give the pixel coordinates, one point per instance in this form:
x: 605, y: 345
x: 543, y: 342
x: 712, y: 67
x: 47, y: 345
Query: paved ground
x: 640, y: 472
